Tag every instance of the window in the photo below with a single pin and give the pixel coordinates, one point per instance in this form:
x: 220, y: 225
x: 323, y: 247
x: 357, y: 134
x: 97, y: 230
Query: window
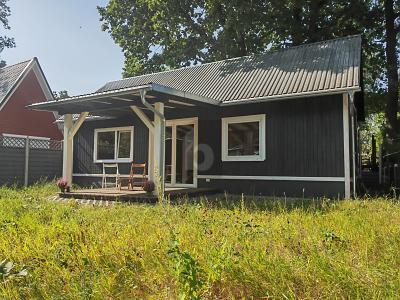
x: 243, y: 138
x: 113, y: 144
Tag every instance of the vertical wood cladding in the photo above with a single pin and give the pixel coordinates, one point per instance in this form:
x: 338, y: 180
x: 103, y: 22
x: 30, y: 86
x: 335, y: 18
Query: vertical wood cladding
x: 304, y: 137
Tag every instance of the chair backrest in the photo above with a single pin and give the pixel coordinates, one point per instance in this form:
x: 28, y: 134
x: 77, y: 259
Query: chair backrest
x: 138, y: 166
x: 110, y: 167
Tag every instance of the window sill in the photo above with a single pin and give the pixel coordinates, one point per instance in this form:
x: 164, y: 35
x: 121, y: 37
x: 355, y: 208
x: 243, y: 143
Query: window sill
x: 243, y: 158
x: 100, y: 161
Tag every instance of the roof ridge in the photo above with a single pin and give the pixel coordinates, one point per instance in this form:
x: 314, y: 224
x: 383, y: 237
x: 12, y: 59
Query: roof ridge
x: 19, y: 63
x: 238, y: 58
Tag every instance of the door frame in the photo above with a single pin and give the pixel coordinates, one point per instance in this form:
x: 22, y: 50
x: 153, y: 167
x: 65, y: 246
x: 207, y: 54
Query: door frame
x: 185, y: 121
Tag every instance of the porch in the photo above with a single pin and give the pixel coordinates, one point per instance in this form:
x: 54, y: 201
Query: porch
x: 125, y: 195
x: 150, y: 124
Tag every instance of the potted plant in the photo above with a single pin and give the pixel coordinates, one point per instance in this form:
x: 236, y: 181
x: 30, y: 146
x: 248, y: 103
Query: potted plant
x: 149, y: 186
x: 62, y: 184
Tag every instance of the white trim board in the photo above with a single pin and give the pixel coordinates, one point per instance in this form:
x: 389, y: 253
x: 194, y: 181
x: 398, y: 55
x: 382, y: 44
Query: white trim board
x: 101, y: 175
x: 272, y: 178
x: 346, y: 146
x: 238, y: 177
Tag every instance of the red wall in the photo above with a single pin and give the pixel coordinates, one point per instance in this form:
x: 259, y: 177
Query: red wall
x: 16, y: 119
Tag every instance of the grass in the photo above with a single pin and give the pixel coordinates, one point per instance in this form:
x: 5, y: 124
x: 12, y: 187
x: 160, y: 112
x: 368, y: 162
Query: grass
x: 208, y: 249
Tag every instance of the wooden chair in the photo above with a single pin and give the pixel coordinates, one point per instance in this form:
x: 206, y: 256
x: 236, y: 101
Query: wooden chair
x: 113, y: 168
x: 137, y: 175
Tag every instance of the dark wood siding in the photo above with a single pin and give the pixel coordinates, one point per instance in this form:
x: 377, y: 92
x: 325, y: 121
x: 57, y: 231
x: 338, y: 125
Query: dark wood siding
x: 284, y: 188
x: 84, y: 143
x: 304, y: 137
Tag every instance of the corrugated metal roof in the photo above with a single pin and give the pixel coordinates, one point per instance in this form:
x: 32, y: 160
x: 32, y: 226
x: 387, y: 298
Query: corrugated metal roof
x: 9, y: 76
x: 319, y: 67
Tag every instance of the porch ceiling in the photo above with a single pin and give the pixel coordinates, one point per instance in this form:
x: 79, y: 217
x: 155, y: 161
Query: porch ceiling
x: 110, y: 102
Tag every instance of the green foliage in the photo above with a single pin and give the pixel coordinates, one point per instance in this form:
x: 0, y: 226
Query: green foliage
x: 5, y: 41
x: 228, y: 249
x: 60, y: 95
x: 187, y: 271
x: 8, y: 272
x: 157, y: 35
x: 373, y: 126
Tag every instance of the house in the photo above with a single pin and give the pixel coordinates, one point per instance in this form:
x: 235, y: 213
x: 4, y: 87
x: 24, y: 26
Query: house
x: 20, y: 85
x: 280, y: 123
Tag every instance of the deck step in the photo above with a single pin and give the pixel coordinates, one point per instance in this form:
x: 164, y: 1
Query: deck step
x: 127, y: 196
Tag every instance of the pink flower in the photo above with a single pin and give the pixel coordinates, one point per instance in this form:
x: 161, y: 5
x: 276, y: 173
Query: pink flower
x: 62, y: 183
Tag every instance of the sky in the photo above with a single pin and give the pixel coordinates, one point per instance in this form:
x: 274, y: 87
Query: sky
x: 66, y: 37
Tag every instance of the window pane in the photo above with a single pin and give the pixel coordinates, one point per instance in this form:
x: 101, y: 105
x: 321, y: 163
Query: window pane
x: 243, y: 139
x: 184, y: 153
x: 124, y: 149
x: 105, y: 145
x: 168, y: 154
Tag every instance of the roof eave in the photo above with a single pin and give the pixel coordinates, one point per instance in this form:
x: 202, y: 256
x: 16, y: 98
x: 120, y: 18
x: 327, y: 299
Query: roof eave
x: 148, y: 87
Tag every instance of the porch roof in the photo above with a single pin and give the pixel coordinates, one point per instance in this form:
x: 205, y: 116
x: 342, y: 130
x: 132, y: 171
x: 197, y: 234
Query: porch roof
x: 112, y: 100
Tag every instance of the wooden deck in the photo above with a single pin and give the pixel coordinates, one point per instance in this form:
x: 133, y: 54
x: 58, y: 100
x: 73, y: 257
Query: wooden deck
x: 124, y: 195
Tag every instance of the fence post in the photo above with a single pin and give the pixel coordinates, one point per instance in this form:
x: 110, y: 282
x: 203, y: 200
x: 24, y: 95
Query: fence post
x: 26, y: 173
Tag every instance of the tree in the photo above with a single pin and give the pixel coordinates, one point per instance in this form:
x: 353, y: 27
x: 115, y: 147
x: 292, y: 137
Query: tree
x: 392, y: 30
x: 5, y: 41
x: 157, y: 35
x: 60, y: 95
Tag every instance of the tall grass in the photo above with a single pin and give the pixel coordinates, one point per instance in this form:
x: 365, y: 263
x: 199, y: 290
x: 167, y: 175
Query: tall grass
x: 213, y: 248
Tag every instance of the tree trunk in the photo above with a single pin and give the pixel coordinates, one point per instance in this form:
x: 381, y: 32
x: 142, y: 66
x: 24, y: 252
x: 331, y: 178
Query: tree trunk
x: 313, y: 21
x: 392, y: 106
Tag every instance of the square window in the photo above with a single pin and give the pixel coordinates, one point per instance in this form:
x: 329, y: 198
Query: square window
x: 243, y: 138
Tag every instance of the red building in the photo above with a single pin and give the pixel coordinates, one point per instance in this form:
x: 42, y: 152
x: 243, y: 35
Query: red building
x: 20, y: 85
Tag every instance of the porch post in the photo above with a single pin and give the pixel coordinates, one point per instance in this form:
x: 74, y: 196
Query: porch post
x: 159, y: 147
x: 346, y: 148
x: 70, y: 129
x: 67, y: 149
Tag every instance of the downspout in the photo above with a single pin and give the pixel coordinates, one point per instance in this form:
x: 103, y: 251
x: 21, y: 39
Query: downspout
x: 353, y: 154
x: 162, y: 140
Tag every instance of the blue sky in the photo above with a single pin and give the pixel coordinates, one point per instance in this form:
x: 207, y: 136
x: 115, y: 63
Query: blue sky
x: 66, y: 37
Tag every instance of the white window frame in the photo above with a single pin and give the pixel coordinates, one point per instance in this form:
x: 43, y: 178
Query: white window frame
x: 243, y: 119
x: 116, y: 159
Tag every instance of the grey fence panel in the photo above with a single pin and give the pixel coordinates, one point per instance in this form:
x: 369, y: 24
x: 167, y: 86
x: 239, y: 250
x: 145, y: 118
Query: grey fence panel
x: 44, y: 164
x: 12, y: 166
x: 29, y: 160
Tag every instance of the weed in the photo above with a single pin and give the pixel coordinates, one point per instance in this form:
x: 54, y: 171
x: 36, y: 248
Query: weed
x: 187, y: 271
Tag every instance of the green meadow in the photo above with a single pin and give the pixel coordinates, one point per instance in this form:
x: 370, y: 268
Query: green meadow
x: 211, y: 248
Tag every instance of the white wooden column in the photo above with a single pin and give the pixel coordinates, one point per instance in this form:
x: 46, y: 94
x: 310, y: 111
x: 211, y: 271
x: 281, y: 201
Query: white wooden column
x: 67, y: 149
x: 70, y: 129
x: 159, y: 146
x: 346, y: 148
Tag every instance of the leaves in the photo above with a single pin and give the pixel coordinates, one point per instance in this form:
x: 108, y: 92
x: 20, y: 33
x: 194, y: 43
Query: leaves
x: 5, y: 42
x: 7, y: 270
